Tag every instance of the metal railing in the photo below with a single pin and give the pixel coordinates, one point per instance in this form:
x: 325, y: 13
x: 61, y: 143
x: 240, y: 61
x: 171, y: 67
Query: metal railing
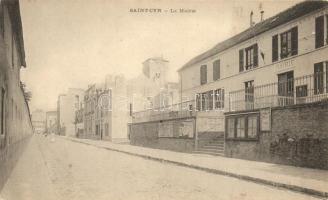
x: 305, y: 89
x: 174, y: 111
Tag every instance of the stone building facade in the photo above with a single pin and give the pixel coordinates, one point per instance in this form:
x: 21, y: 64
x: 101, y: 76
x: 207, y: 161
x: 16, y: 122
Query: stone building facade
x: 15, y: 121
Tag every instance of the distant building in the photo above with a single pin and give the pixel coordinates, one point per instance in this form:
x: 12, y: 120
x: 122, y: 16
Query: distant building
x: 67, y: 105
x: 51, y: 122
x: 39, y: 121
x: 79, y: 122
x: 106, y: 112
x: 151, y: 89
x: 90, y: 101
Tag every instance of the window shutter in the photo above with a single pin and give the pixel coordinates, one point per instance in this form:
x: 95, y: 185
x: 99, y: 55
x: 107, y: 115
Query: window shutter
x: 241, y: 60
x: 203, y: 74
x: 275, y: 48
x: 294, y: 41
x: 319, y: 32
x: 256, y: 55
x: 216, y: 70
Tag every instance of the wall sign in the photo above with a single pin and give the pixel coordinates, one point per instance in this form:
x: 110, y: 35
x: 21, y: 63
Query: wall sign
x: 284, y: 65
x: 265, y: 119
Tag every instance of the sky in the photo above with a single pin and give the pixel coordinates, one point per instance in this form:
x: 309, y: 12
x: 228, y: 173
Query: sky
x: 74, y: 43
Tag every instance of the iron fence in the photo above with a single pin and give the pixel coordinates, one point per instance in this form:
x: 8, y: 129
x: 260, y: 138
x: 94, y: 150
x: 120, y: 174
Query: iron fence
x: 305, y: 89
x: 180, y: 110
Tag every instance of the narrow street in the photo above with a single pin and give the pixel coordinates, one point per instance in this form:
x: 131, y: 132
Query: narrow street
x: 56, y: 168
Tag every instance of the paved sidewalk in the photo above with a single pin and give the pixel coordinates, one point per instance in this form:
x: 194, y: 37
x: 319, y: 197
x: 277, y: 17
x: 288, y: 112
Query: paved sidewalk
x: 305, y: 180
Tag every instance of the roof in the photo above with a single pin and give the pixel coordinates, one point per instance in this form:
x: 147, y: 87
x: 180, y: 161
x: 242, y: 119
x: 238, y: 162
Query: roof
x: 283, y: 17
x: 14, y: 10
x: 161, y: 59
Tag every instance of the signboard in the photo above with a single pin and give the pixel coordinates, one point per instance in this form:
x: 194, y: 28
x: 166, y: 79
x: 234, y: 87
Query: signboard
x: 265, y: 119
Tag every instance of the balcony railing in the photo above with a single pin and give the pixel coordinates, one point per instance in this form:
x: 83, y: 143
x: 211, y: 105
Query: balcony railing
x: 174, y: 111
x: 305, y: 89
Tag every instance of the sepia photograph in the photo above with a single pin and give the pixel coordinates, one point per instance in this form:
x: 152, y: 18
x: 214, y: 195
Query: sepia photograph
x: 163, y: 99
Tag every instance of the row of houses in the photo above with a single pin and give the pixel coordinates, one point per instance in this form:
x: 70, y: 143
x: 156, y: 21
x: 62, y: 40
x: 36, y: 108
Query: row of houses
x: 103, y: 110
x: 259, y: 95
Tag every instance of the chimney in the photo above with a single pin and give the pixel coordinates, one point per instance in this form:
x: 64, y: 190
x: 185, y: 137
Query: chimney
x: 262, y: 13
x: 251, y: 19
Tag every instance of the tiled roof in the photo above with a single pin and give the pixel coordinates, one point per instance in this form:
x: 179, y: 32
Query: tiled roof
x: 290, y: 14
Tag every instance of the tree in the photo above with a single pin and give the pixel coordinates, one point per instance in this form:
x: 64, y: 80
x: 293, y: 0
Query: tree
x: 27, y: 94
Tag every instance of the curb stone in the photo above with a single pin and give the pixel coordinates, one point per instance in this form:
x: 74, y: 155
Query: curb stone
x: 295, y: 188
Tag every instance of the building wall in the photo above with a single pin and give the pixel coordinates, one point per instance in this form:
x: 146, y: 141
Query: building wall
x: 164, y: 134
x: 118, y: 115
x: 17, y: 126
x: 266, y: 72
x: 297, y: 137
x: 68, y: 105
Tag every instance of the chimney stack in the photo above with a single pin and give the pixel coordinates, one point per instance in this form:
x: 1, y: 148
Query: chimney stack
x: 262, y: 13
x: 251, y: 19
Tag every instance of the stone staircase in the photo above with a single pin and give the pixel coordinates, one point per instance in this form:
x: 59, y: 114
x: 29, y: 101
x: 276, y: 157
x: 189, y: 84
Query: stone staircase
x: 214, y: 147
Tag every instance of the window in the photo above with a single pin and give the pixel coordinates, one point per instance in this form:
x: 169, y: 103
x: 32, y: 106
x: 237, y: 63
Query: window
x: 301, y: 91
x: 2, y: 112
x: 286, y: 88
x: 240, y: 127
x: 198, y: 102
x: 249, y: 94
x: 318, y: 78
x: 219, y: 98
x: 251, y: 56
x: 210, y: 100
x: 319, y: 31
x: 231, y: 128
x: 275, y: 52
x: 252, y: 126
x: 251, y: 59
x: 203, y: 74
x: 244, y: 126
x: 216, y: 70
x: 289, y: 43
x: 204, y: 101
x: 286, y: 84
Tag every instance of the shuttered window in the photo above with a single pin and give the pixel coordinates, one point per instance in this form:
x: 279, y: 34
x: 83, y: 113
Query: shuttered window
x: 251, y: 57
x: 241, y: 60
x: 289, y: 43
x: 319, y: 31
x: 203, y: 74
x: 216, y: 70
x: 275, y: 48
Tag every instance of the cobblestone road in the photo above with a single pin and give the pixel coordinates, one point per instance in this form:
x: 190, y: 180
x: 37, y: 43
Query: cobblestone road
x: 53, y: 168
